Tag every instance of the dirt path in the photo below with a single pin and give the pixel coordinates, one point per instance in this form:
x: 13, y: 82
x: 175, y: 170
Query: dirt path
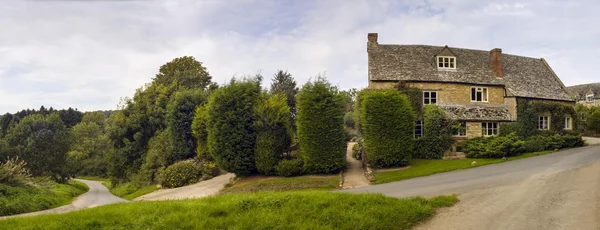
x: 553, y: 200
x: 202, y: 189
x: 98, y: 195
x: 592, y: 140
x: 354, y: 176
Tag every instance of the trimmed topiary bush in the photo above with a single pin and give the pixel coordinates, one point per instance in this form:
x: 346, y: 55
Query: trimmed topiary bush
x: 231, y: 130
x: 288, y: 168
x: 274, y: 133
x: 387, y: 124
x: 180, y: 174
x: 320, y: 123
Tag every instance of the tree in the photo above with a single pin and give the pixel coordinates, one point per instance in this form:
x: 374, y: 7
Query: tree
x: 231, y: 134
x: 97, y: 117
x: 161, y: 151
x: 387, y: 122
x: 88, y: 150
x: 320, y: 123
x: 593, y: 121
x: 180, y: 114
x: 185, y: 70
x: 70, y: 117
x: 283, y: 82
x: 42, y: 141
x: 437, y: 135
x: 274, y: 134
x: 199, y: 130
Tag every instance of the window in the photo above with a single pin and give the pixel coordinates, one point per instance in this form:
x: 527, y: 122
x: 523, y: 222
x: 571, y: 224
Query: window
x: 429, y: 97
x: 419, y: 129
x: 543, y: 123
x: 445, y: 62
x: 590, y: 97
x: 479, y: 94
x: 568, y: 123
x: 489, y: 129
x: 460, y: 130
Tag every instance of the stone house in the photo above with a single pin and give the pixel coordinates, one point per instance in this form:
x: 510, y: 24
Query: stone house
x: 478, y: 88
x: 586, y: 94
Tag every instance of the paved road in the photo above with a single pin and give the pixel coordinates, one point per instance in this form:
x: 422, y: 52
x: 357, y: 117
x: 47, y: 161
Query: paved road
x: 202, y: 189
x: 98, y: 195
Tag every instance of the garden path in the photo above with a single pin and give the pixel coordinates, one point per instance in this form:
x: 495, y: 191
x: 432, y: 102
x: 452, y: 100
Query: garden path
x: 202, y: 189
x: 354, y: 176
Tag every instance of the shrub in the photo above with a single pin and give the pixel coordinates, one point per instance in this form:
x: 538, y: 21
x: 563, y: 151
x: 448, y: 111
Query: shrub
x: 349, y: 120
x: 209, y: 170
x: 14, y: 171
x: 572, y: 141
x: 437, y: 135
x: 387, y: 122
x: 593, y: 121
x: 288, y: 168
x: 494, y: 147
x: 199, y: 130
x: 274, y: 133
x: 534, y: 144
x: 231, y: 133
x: 554, y: 142
x: 180, y: 174
x: 350, y: 134
x: 358, y: 149
x: 320, y: 123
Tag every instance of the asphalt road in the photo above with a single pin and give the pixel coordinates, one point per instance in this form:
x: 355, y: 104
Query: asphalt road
x: 460, y: 181
x: 98, y: 195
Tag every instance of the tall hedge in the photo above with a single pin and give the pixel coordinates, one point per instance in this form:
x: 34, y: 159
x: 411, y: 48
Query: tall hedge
x: 387, y: 124
x: 320, y: 124
x: 231, y: 134
x: 437, y: 135
x: 180, y: 115
x: 273, y: 129
x: 199, y: 130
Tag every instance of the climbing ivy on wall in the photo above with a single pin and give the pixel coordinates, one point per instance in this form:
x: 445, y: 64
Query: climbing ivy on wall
x: 528, y: 112
x: 415, y: 95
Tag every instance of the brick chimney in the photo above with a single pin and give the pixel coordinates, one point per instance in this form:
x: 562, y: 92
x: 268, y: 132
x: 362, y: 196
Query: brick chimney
x: 496, y: 61
x: 372, y: 41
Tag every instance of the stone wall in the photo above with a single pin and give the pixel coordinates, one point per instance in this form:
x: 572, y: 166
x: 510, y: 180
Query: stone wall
x: 473, y: 129
x: 596, y: 102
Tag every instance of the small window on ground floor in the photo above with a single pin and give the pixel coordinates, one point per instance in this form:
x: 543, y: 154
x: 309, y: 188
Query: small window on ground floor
x: 543, y: 123
x: 460, y: 129
x: 568, y: 123
x: 489, y: 129
x: 419, y: 129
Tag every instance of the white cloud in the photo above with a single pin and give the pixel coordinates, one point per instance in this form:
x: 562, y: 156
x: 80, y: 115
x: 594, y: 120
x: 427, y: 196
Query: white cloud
x: 89, y: 54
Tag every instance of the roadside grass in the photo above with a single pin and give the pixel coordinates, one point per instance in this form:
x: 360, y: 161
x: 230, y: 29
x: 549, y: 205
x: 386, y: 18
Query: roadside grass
x: 127, y: 190
x: 281, y: 184
x: 419, y: 168
x: 44, y: 194
x: 263, y: 210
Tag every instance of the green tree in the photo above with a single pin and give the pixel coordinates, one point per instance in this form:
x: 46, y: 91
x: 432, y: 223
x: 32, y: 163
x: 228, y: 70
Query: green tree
x: 199, y: 130
x: 387, y: 122
x: 161, y: 152
x: 231, y: 134
x: 70, y: 117
x: 437, y: 135
x: 274, y: 134
x: 97, y: 117
x: 320, y: 123
x: 186, y: 71
x: 181, y: 109
x: 593, y: 121
x: 284, y: 83
x: 88, y: 150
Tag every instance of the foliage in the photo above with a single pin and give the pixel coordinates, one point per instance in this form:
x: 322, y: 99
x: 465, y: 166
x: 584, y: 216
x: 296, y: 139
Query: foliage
x: 180, y: 114
x: 209, y: 170
x: 130, y: 190
x: 288, y: 168
x: 358, y: 149
x: 89, y: 147
x: 69, y: 117
x: 437, y: 135
x: 266, y: 210
x: 529, y: 112
x: 349, y: 120
x: 199, y: 130
x: 283, y: 184
x: 161, y: 153
x: 593, y: 121
x: 283, y: 83
x: 14, y: 172
x: 186, y: 71
x: 44, y: 194
x: 320, y: 124
x: 510, y: 145
x: 273, y: 132
x: 231, y: 133
x: 180, y: 174
x: 41, y: 141
x: 98, y: 118
x: 415, y: 95
x: 387, y: 123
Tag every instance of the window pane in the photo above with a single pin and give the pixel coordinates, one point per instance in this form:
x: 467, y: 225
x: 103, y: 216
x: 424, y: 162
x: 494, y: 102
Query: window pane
x: 445, y: 64
x: 451, y: 64
x: 440, y: 59
x: 426, y: 101
x: 484, y: 94
x: 425, y: 94
x: 478, y: 96
x: 433, y: 94
x: 472, y: 94
x: 433, y: 101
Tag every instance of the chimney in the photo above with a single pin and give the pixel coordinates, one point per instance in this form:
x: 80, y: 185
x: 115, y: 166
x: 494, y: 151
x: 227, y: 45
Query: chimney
x: 372, y: 41
x: 496, y: 61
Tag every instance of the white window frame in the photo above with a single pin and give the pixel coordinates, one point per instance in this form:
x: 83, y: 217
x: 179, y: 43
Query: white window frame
x: 447, y: 62
x: 484, y: 94
x: 457, y: 132
x: 489, y: 127
x: 543, y: 123
x: 589, y: 98
x: 430, y: 97
x: 568, y: 123
x: 419, y: 123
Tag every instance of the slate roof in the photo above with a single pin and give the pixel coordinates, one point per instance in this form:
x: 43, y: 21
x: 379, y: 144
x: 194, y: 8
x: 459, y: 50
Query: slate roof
x: 477, y: 112
x: 522, y: 76
x: 580, y: 91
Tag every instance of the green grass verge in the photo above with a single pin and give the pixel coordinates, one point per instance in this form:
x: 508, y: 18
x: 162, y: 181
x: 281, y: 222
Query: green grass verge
x: 46, y: 194
x: 264, y: 210
x: 420, y: 168
x: 282, y: 184
x: 127, y: 191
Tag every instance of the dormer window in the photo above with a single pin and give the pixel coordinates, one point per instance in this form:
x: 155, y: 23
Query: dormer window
x: 590, y: 97
x: 446, y: 62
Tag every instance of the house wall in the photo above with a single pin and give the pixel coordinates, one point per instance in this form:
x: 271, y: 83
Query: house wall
x: 473, y: 129
x: 596, y: 102
x: 511, y: 102
x: 450, y: 93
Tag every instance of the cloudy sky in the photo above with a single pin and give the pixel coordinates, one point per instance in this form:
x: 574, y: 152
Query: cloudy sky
x: 88, y: 54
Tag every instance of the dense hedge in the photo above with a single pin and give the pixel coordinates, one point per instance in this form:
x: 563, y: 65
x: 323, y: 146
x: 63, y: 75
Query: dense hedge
x: 273, y: 128
x: 437, y: 135
x: 231, y: 132
x: 387, y: 122
x: 288, y: 168
x: 510, y: 145
x: 199, y: 130
x: 320, y: 123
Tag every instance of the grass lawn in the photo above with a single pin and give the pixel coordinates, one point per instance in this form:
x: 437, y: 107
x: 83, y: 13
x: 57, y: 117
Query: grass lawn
x: 264, y: 210
x: 45, y: 194
x: 280, y: 184
x: 127, y: 191
x: 420, y: 168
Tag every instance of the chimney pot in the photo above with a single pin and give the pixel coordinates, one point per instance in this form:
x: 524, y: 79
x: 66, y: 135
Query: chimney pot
x: 496, y: 61
x: 372, y: 37
x: 372, y: 44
